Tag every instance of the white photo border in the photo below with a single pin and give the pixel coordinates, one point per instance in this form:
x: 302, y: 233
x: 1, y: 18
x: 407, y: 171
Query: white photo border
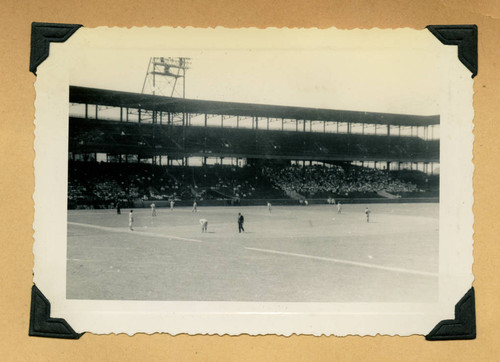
x: 234, y: 318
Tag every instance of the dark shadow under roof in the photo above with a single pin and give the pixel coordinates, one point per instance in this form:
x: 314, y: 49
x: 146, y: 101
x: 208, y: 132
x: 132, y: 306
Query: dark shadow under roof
x: 104, y: 97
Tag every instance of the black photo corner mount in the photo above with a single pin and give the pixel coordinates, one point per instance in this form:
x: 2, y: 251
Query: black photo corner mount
x: 465, y: 36
x: 42, y: 325
x: 42, y: 34
x: 464, y: 324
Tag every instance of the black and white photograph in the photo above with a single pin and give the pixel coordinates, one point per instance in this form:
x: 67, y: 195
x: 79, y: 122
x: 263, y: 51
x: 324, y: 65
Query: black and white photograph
x: 255, y: 181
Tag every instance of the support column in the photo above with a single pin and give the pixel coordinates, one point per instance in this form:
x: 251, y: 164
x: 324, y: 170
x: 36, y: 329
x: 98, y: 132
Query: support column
x: 204, y: 162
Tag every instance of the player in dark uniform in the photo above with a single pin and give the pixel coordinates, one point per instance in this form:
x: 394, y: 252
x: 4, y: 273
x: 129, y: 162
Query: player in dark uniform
x: 241, y: 220
x: 367, y: 212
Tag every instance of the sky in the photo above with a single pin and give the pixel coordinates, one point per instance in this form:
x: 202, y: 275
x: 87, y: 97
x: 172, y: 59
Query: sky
x: 390, y: 79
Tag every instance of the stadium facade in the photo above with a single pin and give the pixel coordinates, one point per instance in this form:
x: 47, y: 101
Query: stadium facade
x: 127, y: 128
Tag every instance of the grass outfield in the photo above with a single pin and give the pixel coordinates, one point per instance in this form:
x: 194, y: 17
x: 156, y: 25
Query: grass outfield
x: 296, y: 254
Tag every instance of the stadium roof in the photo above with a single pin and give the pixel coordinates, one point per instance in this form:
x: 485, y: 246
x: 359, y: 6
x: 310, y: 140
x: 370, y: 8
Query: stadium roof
x: 104, y: 97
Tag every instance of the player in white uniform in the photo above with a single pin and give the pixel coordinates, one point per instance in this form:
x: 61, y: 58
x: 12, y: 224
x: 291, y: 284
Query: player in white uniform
x: 153, y: 209
x: 131, y: 220
x: 269, y: 206
x: 339, y: 208
x: 195, y: 207
x: 204, y: 225
x: 171, y: 205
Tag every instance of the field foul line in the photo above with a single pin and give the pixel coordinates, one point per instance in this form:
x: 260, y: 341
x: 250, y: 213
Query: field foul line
x: 339, y: 261
x: 114, y: 230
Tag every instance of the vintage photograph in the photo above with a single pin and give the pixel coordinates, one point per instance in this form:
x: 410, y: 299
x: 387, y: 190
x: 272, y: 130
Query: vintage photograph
x: 256, y: 176
x: 177, y: 195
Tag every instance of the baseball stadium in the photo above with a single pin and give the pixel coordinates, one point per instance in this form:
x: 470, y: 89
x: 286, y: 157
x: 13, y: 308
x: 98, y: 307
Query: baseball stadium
x: 179, y: 199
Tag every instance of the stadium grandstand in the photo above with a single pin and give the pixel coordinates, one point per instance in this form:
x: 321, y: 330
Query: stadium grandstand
x: 131, y: 148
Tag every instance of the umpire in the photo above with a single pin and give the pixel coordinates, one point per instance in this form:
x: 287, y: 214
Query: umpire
x: 241, y: 220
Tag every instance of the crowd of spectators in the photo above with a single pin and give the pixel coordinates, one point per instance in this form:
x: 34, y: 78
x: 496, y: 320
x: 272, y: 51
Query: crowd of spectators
x: 103, y: 185
x: 233, y: 182
x: 320, y: 181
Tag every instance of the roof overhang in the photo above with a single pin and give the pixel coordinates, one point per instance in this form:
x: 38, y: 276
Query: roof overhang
x: 104, y: 97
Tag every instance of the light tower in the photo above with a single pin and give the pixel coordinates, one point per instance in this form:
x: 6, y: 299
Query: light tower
x: 166, y: 77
